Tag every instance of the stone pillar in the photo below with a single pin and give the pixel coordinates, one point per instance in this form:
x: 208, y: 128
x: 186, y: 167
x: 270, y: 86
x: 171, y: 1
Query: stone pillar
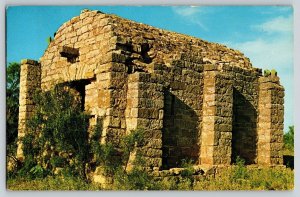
x: 145, y: 110
x: 270, y: 121
x: 216, y: 132
x: 30, y: 81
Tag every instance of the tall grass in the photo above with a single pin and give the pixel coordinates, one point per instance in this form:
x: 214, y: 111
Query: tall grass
x: 51, y: 183
x: 241, y: 178
x: 234, y: 178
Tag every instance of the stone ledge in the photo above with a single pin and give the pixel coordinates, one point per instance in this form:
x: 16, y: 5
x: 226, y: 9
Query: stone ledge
x: 29, y: 61
x: 273, y: 79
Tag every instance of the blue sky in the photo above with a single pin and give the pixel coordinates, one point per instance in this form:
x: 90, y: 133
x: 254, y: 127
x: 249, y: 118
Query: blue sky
x: 262, y: 33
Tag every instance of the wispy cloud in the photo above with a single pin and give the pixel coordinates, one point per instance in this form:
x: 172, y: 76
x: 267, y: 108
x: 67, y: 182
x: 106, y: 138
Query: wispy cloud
x: 191, y: 14
x: 274, y: 45
x: 187, y: 11
x: 273, y: 49
x: 277, y: 25
x: 276, y: 52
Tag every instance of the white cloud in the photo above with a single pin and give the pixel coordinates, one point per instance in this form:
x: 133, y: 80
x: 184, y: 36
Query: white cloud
x: 277, y: 25
x: 274, y: 46
x: 268, y: 53
x: 273, y: 49
x: 186, y: 11
x: 191, y: 14
x: 275, y: 53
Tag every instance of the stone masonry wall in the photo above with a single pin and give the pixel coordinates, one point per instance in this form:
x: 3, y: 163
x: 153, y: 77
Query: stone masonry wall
x: 244, y: 114
x: 217, y: 117
x: 270, y: 121
x: 145, y: 110
x: 30, y: 77
x: 196, y: 100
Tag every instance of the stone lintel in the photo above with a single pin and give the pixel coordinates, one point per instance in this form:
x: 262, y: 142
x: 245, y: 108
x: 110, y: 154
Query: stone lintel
x: 66, y: 51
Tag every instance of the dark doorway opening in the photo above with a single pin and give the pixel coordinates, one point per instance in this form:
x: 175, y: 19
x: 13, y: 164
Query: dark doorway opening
x: 244, y: 130
x: 79, y: 86
x: 180, y: 132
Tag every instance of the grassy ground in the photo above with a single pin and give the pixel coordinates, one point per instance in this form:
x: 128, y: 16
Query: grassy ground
x: 50, y: 183
x: 249, y: 179
x: 237, y: 178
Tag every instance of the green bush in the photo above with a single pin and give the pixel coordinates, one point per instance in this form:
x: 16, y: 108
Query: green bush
x: 240, y: 171
x: 136, y: 178
x: 12, y: 107
x: 188, y: 168
x: 288, y: 139
x: 57, y: 131
x: 57, y: 137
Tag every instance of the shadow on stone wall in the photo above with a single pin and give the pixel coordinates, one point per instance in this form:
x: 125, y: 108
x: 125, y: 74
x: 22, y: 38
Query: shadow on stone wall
x: 180, y: 132
x: 244, y: 129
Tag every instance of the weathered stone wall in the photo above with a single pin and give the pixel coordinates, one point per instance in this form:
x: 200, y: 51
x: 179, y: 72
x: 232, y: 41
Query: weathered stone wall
x: 217, y: 117
x: 30, y: 78
x: 270, y: 121
x: 145, y: 110
x: 196, y: 100
x: 244, y: 125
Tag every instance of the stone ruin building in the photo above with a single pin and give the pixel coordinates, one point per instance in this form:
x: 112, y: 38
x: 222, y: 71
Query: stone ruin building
x: 197, y: 100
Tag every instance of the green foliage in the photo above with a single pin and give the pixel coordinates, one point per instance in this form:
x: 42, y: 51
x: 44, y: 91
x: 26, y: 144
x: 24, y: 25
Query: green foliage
x: 129, y: 142
x: 37, y: 171
x: 240, y: 171
x: 57, y: 138
x: 27, y: 166
x: 49, y: 40
x: 257, y: 179
x: 51, y: 183
x: 288, y: 139
x: 273, y: 72
x: 267, y: 73
x: 57, y: 161
x: 185, y: 184
x: 135, y: 179
x: 115, y: 158
x: 12, y: 106
x: 58, y: 128
x: 104, y: 154
x: 188, y: 168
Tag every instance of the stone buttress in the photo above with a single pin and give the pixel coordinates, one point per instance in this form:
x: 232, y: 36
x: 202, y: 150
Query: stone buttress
x: 30, y: 82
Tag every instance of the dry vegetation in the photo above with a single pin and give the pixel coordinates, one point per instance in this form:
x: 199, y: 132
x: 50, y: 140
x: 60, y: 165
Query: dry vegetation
x: 237, y: 178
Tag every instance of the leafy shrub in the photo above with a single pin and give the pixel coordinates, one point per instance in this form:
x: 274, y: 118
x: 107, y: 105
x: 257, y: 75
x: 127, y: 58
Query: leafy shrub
x: 57, y: 161
x: 136, y: 178
x: 51, y: 183
x: 12, y: 106
x: 57, y: 131
x: 288, y: 139
x: 188, y: 168
x: 240, y: 170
